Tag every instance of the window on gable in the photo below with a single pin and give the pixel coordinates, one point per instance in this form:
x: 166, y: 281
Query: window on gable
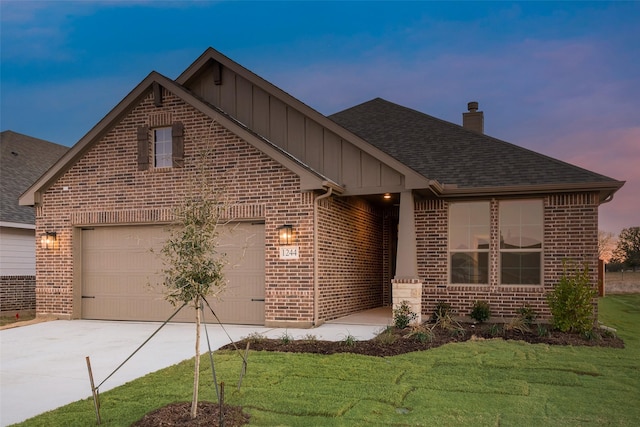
x: 469, y: 242
x: 521, y: 236
x: 162, y: 147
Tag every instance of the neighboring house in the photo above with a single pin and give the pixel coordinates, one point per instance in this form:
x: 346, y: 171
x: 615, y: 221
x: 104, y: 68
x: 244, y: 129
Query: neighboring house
x: 384, y: 204
x: 23, y: 160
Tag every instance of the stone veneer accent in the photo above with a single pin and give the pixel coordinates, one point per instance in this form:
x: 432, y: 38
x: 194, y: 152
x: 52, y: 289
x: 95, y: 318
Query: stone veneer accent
x: 409, y: 291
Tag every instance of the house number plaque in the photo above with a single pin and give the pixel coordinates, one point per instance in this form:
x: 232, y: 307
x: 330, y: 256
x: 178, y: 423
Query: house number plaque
x: 289, y: 252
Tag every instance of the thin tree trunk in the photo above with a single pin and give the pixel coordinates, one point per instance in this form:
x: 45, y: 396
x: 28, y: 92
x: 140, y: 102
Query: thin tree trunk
x: 196, y: 375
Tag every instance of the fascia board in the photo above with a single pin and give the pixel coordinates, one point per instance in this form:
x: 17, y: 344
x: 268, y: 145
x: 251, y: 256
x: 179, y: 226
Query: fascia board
x: 606, y: 189
x: 413, y: 179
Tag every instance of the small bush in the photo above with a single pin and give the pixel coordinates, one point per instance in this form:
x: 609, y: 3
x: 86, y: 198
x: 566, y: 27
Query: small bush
x: 255, y: 337
x: 285, y: 338
x: 387, y: 336
x: 495, y: 330
x: 571, y: 302
x: 518, y: 324
x: 403, y: 316
x: 310, y: 337
x: 349, y: 340
x: 442, y: 309
x: 420, y: 333
x: 481, y: 311
x: 543, y: 331
x: 527, y: 314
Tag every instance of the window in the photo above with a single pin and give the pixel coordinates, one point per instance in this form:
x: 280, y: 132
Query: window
x: 521, y: 234
x: 469, y: 242
x: 162, y: 147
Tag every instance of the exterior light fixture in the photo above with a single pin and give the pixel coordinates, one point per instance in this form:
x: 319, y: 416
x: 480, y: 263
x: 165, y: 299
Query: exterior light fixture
x: 285, y: 234
x: 386, y: 196
x: 49, y: 240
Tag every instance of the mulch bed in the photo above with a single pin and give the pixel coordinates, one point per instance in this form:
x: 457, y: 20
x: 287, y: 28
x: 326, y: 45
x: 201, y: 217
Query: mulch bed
x: 382, y: 346
x: 392, y: 342
x: 179, y: 415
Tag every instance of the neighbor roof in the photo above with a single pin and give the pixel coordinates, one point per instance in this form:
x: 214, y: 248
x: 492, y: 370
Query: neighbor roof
x: 22, y: 161
x: 457, y: 157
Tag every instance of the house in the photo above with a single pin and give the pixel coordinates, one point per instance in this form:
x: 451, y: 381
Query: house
x: 22, y: 160
x: 328, y: 216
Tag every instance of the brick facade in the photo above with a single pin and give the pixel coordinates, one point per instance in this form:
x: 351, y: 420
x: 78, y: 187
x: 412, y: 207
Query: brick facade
x: 105, y: 187
x: 17, y: 294
x: 570, y: 235
x: 356, y: 240
x: 350, y: 246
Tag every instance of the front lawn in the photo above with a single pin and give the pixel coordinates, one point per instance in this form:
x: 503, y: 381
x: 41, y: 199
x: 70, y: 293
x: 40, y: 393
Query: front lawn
x: 489, y: 382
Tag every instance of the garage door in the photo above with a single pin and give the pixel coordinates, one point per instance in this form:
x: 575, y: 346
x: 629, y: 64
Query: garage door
x: 121, y: 277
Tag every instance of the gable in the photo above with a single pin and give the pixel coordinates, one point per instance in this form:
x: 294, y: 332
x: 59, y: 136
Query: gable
x: 296, y: 128
x: 309, y: 179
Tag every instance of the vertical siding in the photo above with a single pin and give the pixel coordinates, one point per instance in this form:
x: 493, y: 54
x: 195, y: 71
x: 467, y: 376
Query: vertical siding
x: 294, y: 132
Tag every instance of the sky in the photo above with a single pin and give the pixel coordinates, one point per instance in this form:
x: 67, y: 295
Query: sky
x: 559, y: 78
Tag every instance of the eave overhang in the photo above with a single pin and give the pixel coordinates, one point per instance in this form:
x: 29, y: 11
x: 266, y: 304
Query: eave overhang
x: 605, y: 190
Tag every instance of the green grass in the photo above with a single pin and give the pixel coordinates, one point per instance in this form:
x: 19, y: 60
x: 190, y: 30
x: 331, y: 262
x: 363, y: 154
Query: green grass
x: 477, y: 383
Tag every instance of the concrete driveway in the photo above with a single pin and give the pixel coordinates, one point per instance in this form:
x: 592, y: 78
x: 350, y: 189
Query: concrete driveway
x: 43, y: 366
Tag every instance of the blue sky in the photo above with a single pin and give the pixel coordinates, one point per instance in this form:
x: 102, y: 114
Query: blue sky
x: 560, y: 78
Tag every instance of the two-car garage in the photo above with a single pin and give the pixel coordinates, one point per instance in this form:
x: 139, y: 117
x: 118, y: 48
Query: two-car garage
x: 121, y: 274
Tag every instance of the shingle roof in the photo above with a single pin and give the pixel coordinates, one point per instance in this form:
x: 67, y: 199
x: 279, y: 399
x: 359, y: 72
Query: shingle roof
x: 23, y: 159
x: 450, y: 154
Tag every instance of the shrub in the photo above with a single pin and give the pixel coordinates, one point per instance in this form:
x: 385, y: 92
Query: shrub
x: 285, y: 338
x: 443, y: 309
x: 387, y: 336
x: 571, y: 302
x: 481, y: 311
x: 527, y: 314
x: 349, y: 340
x: 420, y: 333
x: 403, y: 315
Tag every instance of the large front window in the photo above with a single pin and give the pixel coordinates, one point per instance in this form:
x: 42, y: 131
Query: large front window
x: 469, y: 242
x: 521, y: 236
x: 162, y: 147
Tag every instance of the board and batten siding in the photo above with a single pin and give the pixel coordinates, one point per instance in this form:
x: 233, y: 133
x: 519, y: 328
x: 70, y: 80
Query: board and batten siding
x: 17, y: 252
x: 296, y: 133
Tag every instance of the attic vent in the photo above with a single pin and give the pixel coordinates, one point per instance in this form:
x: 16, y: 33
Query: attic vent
x: 474, y: 119
x: 157, y: 94
x: 217, y: 73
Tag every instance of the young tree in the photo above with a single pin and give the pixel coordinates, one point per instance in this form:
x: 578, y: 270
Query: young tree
x: 193, y: 267
x: 628, y: 249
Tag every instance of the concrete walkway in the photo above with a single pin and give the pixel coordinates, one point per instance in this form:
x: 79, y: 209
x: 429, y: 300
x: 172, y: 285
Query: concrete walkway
x: 43, y: 366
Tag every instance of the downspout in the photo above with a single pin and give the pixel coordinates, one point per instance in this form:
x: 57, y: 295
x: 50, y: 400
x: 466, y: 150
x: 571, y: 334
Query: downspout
x: 316, y: 285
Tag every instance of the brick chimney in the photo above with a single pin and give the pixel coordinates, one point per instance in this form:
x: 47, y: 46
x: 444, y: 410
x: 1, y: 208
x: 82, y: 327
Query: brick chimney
x: 474, y: 119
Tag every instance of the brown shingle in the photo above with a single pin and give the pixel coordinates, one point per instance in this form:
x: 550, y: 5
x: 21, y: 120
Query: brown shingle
x: 451, y: 154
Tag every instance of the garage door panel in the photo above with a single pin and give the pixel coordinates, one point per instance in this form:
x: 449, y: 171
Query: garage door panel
x: 121, y: 277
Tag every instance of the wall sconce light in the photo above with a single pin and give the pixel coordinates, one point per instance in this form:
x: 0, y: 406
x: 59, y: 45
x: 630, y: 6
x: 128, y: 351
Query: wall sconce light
x: 387, y: 196
x: 49, y: 240
x: 285, y: 234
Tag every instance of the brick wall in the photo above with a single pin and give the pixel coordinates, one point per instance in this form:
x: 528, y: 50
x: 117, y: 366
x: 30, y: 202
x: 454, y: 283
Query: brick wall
x: 350, y: 257
x: 570, y: 234
x: 17, y: 294
x: 105, y: 187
